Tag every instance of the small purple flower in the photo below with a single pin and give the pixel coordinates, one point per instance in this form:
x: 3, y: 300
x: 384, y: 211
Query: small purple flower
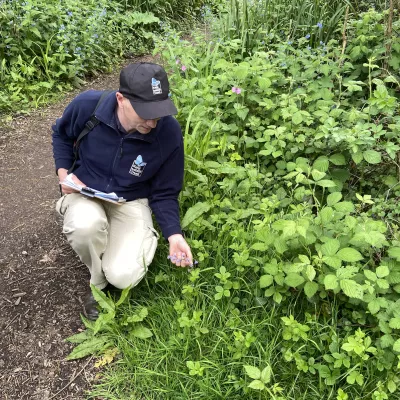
x: 69, y: 13
x: 322, y: 43
x: 319, y: 24
x: 183, y: 68
x: 308, y: 36
x: 236, y: 90
x: 177, y: 61
x: 289, y: 42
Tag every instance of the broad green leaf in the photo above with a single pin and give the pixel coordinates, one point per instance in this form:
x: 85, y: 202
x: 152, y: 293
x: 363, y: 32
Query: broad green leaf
x: 394, y: 323
x: 394, y: 277
x: 349, y: 255
x: 394, y: 252
x: 352, y: 289
x: 266, y: 374
x: 252, y: 372
x: 105, y: 302
x: 374, y: 306
x: 317, y: 175
x: 333, y: 198
x: 333, y: 261
x: 347, y: 272
x: 294, y: 280
x: 391, y: 385
x: 321, y: 164
x: 310, y: 272
x: 310, y: 288
x: 337, y: 159
x: 287, y: 227
x: 141, y: 332
x: 304, y: 259
x: 387, y: 340
x: 266, y: 280
x: 331, y: 282
x: 372, y: 156
x: 257, y: 385
x: 194, y: 212
x: 91, y: 346
x: 330, y: 247
x: 357, y: 157
x: 382, y: 271
x: 344, y: 207
x: 370, y: 275
x: 326, y: 183
x: 297, y: 118
x: 396, y: 346
x: 326, y: 215
x: 259, y: 246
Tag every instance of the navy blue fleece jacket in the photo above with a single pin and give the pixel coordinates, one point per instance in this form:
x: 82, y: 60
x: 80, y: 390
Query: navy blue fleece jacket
x: 132, y: 165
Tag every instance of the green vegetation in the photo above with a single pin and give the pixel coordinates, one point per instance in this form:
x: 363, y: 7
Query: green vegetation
x: 290, y: 206
x: 290, y: 114
x: 48, y: 47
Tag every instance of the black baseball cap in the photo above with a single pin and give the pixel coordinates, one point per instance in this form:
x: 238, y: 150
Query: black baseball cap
x: 147, y: 88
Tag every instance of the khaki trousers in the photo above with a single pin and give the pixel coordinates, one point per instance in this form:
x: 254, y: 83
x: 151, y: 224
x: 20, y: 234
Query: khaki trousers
x: 116, y: 242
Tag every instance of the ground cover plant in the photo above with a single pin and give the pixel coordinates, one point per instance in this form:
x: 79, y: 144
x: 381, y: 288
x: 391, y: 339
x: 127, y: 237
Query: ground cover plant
x: 48, y: 47
x: 290, y: 206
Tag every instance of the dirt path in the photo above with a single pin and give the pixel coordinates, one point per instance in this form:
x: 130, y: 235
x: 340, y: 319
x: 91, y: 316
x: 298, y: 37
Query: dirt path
x: 42, y: 282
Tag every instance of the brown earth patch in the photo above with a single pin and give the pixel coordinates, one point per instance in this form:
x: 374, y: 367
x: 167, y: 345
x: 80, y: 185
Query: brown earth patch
x: 42, y: 282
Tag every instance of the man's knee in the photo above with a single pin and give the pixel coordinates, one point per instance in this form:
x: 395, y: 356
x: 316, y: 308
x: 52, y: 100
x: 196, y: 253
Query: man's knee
x: 121, y: 278
x: 83, y: 228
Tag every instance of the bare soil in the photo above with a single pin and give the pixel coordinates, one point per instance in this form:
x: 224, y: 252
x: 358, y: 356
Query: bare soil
x: 42, y: 282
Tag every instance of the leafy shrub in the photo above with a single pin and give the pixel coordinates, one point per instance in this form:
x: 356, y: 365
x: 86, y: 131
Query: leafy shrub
x: 49, y: 47
x: 291, y: 173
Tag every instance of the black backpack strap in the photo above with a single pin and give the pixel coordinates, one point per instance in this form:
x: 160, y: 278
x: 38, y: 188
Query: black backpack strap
x: 93, y: 121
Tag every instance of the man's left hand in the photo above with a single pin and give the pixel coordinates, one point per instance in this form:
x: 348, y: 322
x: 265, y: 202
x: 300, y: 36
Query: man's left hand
x: 179, y: 251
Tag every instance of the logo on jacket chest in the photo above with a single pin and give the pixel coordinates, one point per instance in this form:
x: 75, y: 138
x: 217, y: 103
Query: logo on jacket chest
x: 137, y: 166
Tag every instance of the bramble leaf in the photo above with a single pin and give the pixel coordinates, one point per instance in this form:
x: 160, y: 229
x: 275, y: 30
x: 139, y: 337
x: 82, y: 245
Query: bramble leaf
x: 252, y: 372
x: 310, y: 288
x: 349, y: 255
x: 352, y: 288
x: 372, y: 157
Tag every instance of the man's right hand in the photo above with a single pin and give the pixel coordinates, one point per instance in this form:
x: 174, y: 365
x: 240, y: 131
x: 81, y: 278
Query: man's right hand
x: 62, y: 173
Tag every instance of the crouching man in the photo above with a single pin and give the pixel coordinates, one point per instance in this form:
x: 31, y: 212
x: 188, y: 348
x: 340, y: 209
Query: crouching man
x: 132, y: 146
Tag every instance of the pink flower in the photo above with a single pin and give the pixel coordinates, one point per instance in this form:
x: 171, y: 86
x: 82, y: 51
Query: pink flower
x: 183, y: 68
x: 236, y: 90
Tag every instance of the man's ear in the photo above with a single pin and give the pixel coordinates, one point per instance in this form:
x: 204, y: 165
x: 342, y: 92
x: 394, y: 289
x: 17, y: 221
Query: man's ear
x: 120, y: 99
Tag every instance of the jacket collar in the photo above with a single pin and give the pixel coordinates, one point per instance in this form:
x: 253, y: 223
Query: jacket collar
x: 106, y: 114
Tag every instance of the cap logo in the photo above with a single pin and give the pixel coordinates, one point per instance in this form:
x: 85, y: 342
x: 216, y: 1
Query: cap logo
x: 156, y: 85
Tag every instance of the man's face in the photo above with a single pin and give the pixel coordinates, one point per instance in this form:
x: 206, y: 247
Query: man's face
x: 131, y: 121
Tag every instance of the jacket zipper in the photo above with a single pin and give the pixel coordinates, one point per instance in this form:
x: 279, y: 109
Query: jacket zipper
x: 118, y: 152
